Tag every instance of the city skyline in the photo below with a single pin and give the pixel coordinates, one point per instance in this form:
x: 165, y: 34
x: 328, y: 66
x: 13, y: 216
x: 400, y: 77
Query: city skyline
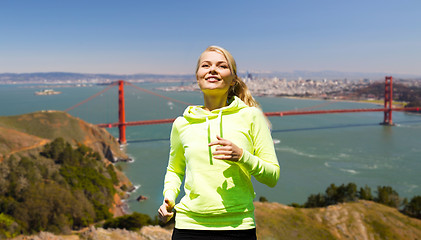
x: 166, y: 37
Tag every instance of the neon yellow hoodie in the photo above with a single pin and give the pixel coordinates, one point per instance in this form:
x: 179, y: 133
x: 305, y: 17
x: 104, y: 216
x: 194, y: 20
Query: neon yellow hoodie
x: 219, y: 194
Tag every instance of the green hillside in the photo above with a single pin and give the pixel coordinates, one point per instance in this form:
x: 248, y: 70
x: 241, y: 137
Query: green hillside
x: 355, y: 220
x: 24, y: 131
x: 54, y: 174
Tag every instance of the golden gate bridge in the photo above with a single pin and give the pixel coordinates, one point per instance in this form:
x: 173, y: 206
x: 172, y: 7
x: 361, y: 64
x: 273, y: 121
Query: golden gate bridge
x: 122, y: 124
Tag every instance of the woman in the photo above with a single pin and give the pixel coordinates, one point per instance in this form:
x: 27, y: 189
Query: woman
x: 216, y: 148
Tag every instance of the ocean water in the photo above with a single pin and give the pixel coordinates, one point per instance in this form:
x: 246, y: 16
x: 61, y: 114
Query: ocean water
x: 313, y: 150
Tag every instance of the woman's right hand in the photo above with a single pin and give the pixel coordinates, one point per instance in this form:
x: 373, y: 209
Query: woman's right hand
x: 165, y: 211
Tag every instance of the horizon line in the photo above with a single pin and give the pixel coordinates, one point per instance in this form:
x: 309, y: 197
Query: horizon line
x: 241, y: 72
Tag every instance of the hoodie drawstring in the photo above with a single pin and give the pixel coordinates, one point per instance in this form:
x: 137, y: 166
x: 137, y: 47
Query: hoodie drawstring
x: 209, y: 134
x: 220, y: 123
x: 209, y: 141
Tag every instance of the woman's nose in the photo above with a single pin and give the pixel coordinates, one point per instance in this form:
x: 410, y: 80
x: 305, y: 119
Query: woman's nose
x: 212, y: 68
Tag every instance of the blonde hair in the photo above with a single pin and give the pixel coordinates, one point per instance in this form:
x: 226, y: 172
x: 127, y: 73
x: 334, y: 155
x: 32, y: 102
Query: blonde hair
x: 239, y: 88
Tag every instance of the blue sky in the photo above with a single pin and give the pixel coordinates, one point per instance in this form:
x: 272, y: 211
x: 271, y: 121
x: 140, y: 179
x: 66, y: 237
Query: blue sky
x: 126, y: 37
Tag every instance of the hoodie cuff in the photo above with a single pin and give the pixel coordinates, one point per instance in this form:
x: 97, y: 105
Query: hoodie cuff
x: 170, y: 195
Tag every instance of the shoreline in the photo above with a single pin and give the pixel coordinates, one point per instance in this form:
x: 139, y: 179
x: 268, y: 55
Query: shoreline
x: 373, y: 102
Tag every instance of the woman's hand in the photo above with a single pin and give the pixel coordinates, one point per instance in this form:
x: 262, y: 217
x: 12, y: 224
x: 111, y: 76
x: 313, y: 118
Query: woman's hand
x: 165, y: 211
x: 226, y: 150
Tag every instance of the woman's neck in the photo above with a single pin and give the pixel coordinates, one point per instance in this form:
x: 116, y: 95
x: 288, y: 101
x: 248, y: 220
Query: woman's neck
x: 215, y: 102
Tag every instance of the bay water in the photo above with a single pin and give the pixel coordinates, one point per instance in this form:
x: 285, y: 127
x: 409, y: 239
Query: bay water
x: 313, y: 150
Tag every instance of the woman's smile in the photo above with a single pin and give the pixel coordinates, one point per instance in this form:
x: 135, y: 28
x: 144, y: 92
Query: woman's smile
x: 213, y: 79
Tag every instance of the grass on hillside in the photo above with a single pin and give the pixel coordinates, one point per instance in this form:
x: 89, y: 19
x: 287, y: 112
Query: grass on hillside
x: 357, y: 220
x: 44, y: 125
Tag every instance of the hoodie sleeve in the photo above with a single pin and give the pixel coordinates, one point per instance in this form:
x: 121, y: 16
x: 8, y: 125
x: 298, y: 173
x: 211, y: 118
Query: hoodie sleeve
x: 176, y: 165
x: 263, y: 163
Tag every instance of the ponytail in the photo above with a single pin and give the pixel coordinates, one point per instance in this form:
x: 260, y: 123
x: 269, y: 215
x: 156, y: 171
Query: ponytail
x: 241, y: 90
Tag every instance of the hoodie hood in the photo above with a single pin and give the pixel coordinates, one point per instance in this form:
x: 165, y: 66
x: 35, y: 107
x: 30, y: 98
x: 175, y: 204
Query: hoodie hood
x: 198, y: 114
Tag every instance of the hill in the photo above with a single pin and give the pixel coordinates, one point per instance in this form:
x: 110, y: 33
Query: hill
x: 401, y: 92
x: 56, y: 173
x: 21, y: 133
x: 357, y: 220
x: 354, y: 220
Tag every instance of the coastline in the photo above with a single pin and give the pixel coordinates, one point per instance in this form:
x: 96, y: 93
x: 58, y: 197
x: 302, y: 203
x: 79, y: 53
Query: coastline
x: 120, y: 205
x: 374, y: 102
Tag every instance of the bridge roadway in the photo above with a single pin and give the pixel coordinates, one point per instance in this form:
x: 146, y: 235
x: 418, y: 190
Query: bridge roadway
x: 269, y: 114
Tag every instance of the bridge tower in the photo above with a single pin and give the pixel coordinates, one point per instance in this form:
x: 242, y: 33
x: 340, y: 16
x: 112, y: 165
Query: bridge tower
x: 121, y: 113
x: 388, y: 98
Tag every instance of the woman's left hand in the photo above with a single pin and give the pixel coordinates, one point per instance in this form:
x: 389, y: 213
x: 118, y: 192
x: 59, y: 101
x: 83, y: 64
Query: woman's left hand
x: 226, y: 150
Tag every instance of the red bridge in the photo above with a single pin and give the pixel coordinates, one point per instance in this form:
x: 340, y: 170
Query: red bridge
x: 121, y: 124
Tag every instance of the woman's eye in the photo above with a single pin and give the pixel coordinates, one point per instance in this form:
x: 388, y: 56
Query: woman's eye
x: 205, y: 65
x: 223, y: 66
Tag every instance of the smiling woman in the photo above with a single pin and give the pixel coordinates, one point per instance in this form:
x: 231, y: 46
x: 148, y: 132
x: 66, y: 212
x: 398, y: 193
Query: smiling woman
x: 216, y: 148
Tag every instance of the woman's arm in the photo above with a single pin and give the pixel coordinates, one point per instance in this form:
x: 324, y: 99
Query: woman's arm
x: 176, y: 166
x: 263, y: 163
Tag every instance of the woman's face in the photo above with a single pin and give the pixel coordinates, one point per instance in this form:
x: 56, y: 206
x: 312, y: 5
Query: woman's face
x: 214, y: 75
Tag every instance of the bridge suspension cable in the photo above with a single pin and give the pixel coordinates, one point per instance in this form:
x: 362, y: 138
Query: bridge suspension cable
x: 91, y: 97
x: 126, y: 83
x: 157, y: 94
